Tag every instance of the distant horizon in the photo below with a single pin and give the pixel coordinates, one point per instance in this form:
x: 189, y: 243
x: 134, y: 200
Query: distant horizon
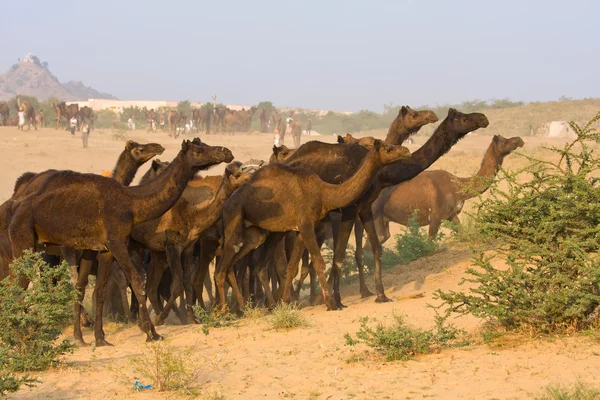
x: 345, y: 56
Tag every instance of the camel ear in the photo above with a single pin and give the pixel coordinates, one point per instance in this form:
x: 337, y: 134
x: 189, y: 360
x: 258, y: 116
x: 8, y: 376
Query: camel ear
x: 129, y: 145
x: 340, y: 139
x: 185, y: 145
x: 377, y: 144
x: 451, y: 112
x: 496, y: 138
x: 403, y: 111
x: 276, y: 150
x: 155, y: 164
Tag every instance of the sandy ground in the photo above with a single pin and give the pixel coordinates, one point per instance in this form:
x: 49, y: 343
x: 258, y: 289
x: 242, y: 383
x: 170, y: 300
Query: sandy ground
x: 251, y: 360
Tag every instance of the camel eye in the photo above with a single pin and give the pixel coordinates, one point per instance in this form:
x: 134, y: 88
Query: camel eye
x: 465, y: 119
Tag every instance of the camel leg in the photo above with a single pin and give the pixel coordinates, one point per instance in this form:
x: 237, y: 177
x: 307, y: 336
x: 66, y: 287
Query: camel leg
x: 121, y: 253
x: 307, y: 232
x: 434, y: 227
x: 122, y: 285
x: 339, y: 254
x: 366, y: 216
x: 85, y: 267
x: 208, y: 249
x: 292, y: 267
x: 304, y: 271
x: 154, y: 276
x: 174, y: 260
x: 250, y: 240
x: 359, y: 257
x: 104, y: 264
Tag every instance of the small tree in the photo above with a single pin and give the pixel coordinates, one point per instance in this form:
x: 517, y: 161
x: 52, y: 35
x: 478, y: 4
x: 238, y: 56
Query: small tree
x: 32, y: 319
x: 548, y: 232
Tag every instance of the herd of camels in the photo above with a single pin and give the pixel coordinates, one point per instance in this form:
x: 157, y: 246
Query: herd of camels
x: 259, y: 223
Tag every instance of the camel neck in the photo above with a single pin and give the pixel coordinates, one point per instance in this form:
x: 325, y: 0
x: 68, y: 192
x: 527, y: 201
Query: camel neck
x: 398, y: 133
x: 480, y: 182
x: 125, y: 169
x: 338, y: 196
x: 438, y: 144
x: 152, y: 199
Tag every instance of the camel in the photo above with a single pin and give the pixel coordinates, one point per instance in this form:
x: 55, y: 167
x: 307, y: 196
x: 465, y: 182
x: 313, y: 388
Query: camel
x: 176, y: 230
x: 29, y: 112
x: 365, y: 141
x: 281, y: 153
x: 174, y: 119
x: 67, y: 111
x: 87, y: 211
x: 264, y: 118
x: 219, y: 115
x: 281, y: 199
x: 335, y: 163
x: 151, y: 120
x: 39, y: 119
x: 4, y: 113
x: 296, y: 130
x: 84, y: 113
x: 202, y: 118
x: 438, y: 195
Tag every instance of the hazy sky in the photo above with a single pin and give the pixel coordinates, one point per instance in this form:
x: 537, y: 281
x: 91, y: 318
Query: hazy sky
x: 342, y: 55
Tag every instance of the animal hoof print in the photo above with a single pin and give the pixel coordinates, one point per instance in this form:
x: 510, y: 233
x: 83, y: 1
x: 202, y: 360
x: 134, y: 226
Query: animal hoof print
x: 382, y: 299
x: 81, y: 343
x: 102, y: 343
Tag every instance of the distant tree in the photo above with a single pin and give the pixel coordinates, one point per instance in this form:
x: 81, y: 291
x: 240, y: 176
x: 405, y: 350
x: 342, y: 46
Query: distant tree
x: 185, y: 107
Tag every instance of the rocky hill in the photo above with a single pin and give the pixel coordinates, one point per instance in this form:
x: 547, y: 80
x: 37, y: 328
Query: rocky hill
x: 31, y: 77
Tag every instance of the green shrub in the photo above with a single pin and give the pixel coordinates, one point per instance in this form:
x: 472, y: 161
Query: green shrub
x: 578, y: 391
x: 213, y: 318
x: 167, y: 367
x: 414, y: 244
x: 288, y: 316
x: 547, y: 230
x: 401, y: 342
x: 33, y: 319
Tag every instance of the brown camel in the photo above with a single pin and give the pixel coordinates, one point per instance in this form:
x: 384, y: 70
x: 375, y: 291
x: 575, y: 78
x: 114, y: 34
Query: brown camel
x: 334, y: 163
x: 176, y: 230
x: 4, y: 113
x: 84, y: 113
x: 202, y: 119
x: 296, y: 130
x: 87, y: 211
x: 264, y: 119
x: 219, y: 114
x: 281, y: 153
x: 133, y: 156
x: 29, y: 112
x: 174, y: 122
x: 365, y: 141
x: 281, y: 199
x: 438, y: 195
x: 39, y: 119
x: 151, y: 120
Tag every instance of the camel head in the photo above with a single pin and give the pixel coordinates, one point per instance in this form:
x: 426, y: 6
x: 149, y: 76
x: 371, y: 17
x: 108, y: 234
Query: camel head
x: 504, y: 146
x: 280, y: 154
x: 143, y: 152
x: 235, y: 175
x: 201, y: 156
x: 465, y: 123
x: 156, y: 168
x: 413, y: 120
x: 389, y: 153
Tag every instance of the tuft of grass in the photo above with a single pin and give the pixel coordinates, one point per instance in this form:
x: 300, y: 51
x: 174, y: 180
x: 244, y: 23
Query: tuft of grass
x: 578, y: 391
x: 401, y: 342
x: 169, y: 368
x: 213, y: 318
x: 288, y: 316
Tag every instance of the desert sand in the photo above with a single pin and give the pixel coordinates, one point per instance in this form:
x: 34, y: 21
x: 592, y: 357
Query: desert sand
x: 251, y: 360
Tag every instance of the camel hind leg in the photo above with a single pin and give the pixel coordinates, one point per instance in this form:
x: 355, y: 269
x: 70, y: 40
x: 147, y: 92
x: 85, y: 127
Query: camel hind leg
x: 359, y: 258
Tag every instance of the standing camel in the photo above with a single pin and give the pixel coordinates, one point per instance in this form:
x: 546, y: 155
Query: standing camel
x: 29, y: 112
x: 4, y: 112
x: 334, y: 164
x: 87, y: 211
x: 281, y: 199
x: 438, y: 195
x: 84, y: 113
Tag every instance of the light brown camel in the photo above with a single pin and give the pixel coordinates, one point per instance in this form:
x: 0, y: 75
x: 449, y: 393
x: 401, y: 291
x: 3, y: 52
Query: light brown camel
x: 282, y: 199
x: 174, y: 122
x: 39, y: 119
x: 86, y: 211
x: 365, y: 141
x: 29, y: 112
x: 296, y: 130
x: 281, y: 153
x: 438, y: 195
x: 176, y: 230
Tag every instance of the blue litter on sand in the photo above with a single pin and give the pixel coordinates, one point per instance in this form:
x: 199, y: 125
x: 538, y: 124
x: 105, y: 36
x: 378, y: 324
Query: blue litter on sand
x: 139, y: 386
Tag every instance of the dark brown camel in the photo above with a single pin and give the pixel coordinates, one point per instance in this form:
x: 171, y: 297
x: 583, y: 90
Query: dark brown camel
x: 99, y: 213
x: 202, y: 119
x: 176, y: 230
x: 174, y: 121
x: 4, y: 112
x: 281, y: 199
x: 438, y: 195
x: 335, y: 164
x: 133, y: 156
x: 219, y: 114
x: 86, y: 113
